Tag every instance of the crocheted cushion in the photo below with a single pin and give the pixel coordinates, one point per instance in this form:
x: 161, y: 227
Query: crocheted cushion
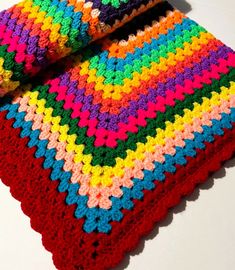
x: 106, y: 142
x: 35, y: 33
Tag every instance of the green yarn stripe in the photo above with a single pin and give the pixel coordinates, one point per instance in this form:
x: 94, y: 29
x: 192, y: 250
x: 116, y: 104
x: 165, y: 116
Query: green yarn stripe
x: 114, y: 3
x: 58, y: 17
x: 133, y: 138
x: 117, y: 77
x: 10, y: 64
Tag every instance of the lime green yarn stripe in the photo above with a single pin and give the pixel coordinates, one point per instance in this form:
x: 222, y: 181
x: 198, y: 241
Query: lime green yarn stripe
x: 114, y: 3
x: 57, y: 16
x: 117, y: 77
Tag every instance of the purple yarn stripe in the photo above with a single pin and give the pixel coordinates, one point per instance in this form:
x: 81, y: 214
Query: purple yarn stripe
x: 110, y: 121
x: 25, y: 38
x: 109, y: 13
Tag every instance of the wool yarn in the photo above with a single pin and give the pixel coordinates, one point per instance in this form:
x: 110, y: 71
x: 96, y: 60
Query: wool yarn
x: 102, y: 144
x: 36, y: 33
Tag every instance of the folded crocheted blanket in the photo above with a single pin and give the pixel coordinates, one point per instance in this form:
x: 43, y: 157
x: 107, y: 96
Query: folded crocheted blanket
x: 36, y: 33
x: 98, y: 146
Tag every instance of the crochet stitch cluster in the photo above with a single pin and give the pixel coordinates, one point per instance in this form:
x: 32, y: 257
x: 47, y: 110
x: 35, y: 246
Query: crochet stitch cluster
x: 36, y: 33
x: 117, y: 132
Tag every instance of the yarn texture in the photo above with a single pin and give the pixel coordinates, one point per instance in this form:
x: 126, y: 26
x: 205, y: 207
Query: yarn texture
x: 36, y: 33
x: 98, y: 146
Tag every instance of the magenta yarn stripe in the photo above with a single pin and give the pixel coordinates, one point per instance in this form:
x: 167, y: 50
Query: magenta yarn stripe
x: 142, y: 103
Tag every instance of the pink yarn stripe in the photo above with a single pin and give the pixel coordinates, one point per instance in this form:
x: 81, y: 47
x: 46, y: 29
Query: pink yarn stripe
x: 129, y: 173
x: 159, y: 105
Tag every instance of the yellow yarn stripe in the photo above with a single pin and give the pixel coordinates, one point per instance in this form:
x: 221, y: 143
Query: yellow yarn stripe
x: 115, y: 91
x: 106, y: 171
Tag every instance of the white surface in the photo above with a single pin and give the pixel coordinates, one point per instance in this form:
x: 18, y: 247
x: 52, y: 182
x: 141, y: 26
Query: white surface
x: 202, y: 237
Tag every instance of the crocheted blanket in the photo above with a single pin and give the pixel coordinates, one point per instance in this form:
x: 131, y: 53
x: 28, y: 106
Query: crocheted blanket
x: 98, y: 146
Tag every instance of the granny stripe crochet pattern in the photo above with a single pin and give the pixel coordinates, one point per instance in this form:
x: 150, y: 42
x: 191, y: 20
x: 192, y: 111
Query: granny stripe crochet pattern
x: 36, y: 33
x: 99, y: 146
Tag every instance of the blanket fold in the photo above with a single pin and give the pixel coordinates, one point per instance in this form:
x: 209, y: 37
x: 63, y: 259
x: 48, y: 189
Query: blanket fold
x: 36, y: 33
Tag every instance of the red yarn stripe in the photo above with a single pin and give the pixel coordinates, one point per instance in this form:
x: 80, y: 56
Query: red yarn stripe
x: 62, y: 234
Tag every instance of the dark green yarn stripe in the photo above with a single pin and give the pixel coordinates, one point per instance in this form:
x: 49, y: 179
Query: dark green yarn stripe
x: 10, y: 64
x: 158, y: 122
x: 110, y: 154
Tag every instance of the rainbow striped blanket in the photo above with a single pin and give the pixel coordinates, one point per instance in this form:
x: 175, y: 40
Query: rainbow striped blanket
x: 110, y: 112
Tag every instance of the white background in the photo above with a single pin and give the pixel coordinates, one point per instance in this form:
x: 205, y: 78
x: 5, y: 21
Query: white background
x: 200, y: 238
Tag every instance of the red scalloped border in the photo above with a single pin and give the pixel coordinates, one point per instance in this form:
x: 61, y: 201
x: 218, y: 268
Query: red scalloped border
x: 62, y: 234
